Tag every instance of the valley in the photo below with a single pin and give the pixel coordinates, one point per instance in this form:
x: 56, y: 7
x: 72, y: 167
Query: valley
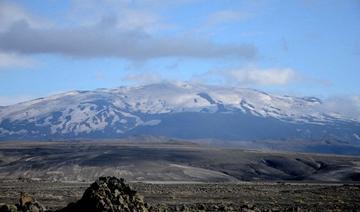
x: 173, y: 161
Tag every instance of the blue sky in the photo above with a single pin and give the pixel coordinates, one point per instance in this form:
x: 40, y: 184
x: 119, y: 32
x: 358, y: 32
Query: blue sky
x: 304, y: 47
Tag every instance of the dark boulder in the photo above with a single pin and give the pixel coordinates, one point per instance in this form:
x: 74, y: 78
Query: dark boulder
x: 26, y: 204
x: 108, y: 194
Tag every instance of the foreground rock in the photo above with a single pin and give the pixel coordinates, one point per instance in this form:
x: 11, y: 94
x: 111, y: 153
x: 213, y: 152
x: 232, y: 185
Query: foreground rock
x: 26, y: 204
x: 108, y: 194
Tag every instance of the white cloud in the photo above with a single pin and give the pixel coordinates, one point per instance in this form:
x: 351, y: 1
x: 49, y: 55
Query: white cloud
x: 12, y: 60
x: 225, y: 16
x: 122, y: 34
x: 348, y: 106
x: 251, y: 76
x: 11, y: 13
x: 121, y: 14
x: 273, y: 76
x: 103, y: 41
x: 137, y: 19
x: 9, y: 100
x: 144, y: 77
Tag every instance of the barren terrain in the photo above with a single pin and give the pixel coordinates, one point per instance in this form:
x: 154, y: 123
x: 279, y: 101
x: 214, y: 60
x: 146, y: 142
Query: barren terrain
x: 211, y: 197
x: 181, y: 175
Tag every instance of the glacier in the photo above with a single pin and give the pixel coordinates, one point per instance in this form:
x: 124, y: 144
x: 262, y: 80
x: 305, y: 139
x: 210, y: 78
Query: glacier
x: 177, y: 110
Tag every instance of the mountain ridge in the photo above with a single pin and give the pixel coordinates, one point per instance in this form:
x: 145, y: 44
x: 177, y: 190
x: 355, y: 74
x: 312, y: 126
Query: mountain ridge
x: 180, y: 110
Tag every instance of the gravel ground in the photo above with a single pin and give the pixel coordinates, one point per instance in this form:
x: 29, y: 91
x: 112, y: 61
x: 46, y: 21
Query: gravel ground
x: 206, y: 197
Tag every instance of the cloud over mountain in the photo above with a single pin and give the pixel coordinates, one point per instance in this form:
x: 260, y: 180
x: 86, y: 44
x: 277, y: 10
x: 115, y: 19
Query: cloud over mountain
x: 122, y: 36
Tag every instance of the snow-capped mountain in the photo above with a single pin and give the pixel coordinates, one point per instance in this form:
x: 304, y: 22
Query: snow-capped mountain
x: 179, y: 110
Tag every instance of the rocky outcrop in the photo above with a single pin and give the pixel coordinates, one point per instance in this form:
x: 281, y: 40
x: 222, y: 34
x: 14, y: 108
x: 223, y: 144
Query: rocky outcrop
x: 108, y: 194
x: 26, y: 204
x: 105, y: 194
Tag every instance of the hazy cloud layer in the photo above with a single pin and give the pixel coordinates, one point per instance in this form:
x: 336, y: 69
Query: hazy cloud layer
x: 225, y: 16
x: 100, y: 41
x: 142, y: 78
x: 10, y: 13
x: 272, y: 76
x: 349, y: 106
x: 251, y: 76
x: 10, y: 60
x: 10, y: 100
x: 126, y: 37
x: 128, y: 15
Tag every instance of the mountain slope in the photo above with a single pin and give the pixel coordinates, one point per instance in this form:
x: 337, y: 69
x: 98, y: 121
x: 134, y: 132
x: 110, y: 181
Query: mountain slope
x: 176, y: 110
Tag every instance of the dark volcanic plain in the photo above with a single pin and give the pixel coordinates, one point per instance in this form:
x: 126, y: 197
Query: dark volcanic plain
x: 203, y: 196
x: 181, y: 174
